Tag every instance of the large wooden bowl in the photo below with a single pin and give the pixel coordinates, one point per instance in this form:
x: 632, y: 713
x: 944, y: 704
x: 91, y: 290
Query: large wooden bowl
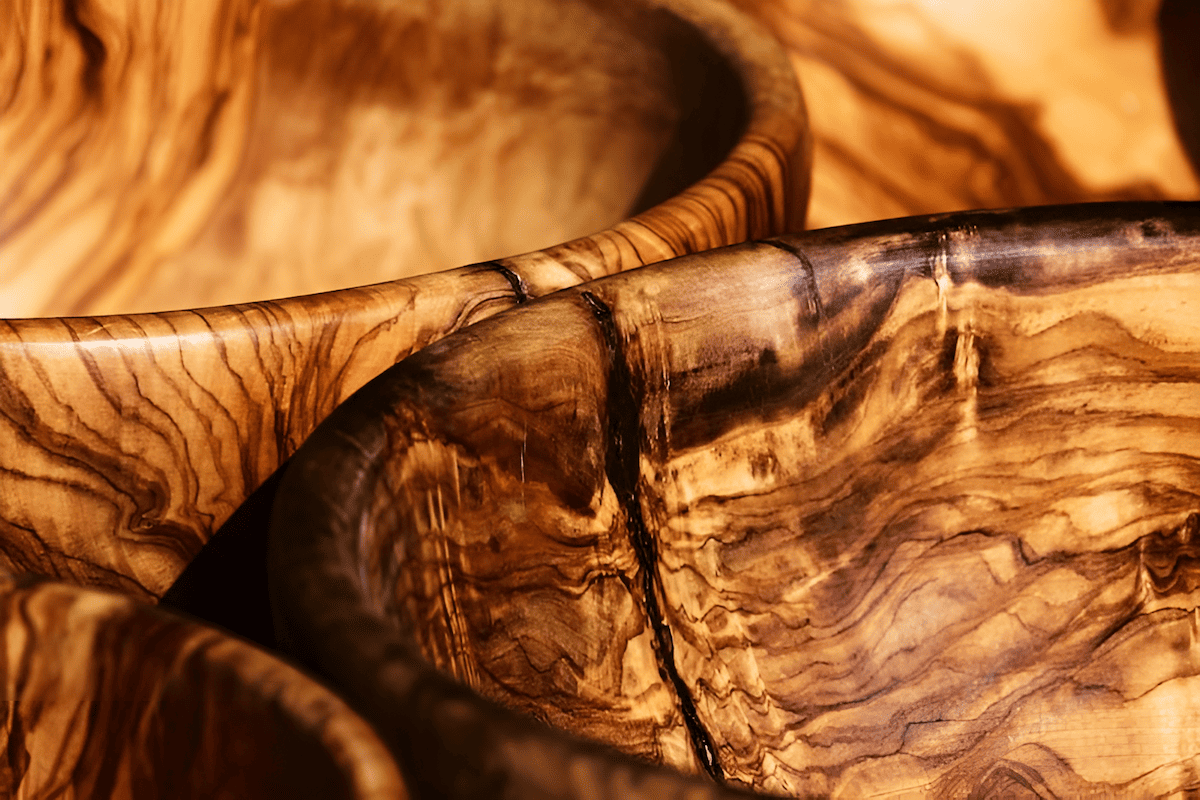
x: 176, y: 154
x: 105, y: 697
x: 908, y: 508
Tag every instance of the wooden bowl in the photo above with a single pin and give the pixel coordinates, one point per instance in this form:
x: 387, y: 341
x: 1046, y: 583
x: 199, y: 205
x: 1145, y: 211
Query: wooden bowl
x: 905, y: 508
x: 106, y: 697
x: 170, y: 155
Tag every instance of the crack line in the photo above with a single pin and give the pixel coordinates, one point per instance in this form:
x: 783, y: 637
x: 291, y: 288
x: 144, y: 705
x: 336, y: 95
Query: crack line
x: 622, y: 466
x: 514, y: 280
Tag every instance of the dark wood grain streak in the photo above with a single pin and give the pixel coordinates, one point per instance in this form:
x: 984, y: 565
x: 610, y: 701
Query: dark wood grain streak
x: 452, y: 744
x: 920, y: 505
x: 126, y: 440
x: 520, y: 293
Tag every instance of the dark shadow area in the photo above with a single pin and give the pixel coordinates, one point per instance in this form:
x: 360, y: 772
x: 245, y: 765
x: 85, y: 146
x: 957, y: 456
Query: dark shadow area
x: 226, y: 583
x: 1179, y: 31
x: 713, y: 110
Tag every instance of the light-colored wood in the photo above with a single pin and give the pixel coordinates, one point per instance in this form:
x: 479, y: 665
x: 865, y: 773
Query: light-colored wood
x: 176, y: 154
x: 105, y: 697
x: 199, y: 153
x: 924, y: 107
x: 902, y: 509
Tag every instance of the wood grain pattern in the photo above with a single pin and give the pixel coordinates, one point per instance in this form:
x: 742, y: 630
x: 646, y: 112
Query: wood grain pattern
x: 109, y: 698
x: 194, y: 154
x: 901, y: 509
x: 925, y: 107
x: 127, y: 440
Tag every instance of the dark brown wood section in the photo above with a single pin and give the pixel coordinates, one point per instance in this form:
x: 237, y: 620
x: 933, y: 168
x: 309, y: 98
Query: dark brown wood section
x: 905, y: 507
x: 105, y: 698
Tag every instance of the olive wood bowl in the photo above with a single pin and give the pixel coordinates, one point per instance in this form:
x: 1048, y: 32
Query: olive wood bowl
x: 904, y: 508
x: 156, y: 151
x: 106, y: 697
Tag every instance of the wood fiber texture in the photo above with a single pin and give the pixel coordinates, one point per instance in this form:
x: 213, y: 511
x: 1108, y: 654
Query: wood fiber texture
x: 238, y: 149
x: 107, y: 698
x: 192, y: 154
x: 905, y: 508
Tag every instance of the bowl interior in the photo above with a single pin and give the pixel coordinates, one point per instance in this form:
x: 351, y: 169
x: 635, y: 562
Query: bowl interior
x: 106, y: 697
x: 905, y: 507
x: 310, y: 145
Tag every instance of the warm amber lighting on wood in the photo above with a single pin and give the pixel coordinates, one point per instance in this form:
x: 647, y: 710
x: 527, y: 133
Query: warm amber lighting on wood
x: 342, y: 143
x: 105, y: 697
x: 194, y: 153
x: 926, y: 106
x: 906, y: 509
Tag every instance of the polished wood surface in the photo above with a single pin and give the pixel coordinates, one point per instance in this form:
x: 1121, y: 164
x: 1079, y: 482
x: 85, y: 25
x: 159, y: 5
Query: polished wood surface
x: 199, y: 153
x: 108, y: 698
x: 901, y: 509
x: 168, y: 155
x: 913, y: 513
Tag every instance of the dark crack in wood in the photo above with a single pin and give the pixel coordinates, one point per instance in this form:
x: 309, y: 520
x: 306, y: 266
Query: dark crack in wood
x: 623, y: 436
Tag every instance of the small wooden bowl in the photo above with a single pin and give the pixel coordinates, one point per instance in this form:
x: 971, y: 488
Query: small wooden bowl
x: 106, y: 697
x: 907, y: 507
x: 192, y: 153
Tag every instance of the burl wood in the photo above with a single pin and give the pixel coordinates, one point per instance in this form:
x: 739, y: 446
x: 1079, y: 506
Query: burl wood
x: 925, y: 107
x: 172, y: 154
x: 108, y: 698
x: 908, y: 508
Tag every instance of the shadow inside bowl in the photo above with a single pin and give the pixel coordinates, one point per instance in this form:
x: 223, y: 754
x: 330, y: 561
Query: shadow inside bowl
x: 107, y: 697
x: 901, y: 507
x: 1178, y: 26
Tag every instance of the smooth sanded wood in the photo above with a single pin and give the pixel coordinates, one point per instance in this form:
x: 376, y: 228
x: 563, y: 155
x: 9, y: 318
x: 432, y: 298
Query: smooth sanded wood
x: 191, y: 154
x: 105, y: 697
x: 247, y: 146
x: 901, y: 509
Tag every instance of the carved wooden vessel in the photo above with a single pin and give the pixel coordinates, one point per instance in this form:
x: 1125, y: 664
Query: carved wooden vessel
x: 106, y: 697
x: 168, y: 155
x: 908, y: 508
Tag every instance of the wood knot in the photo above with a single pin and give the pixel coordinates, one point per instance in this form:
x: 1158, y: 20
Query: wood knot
x: 1171, y: 559
x: 1009, y: 779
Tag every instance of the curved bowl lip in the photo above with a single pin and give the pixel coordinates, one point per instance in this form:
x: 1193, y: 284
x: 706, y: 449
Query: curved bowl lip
x: 321, y: 605
x: 777, y: 122
x: 346, y: 736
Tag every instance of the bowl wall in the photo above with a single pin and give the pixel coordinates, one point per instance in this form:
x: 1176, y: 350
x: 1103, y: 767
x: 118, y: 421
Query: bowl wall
x: 105, y: 697
x: 901, y: 507
x: 307, y: 146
